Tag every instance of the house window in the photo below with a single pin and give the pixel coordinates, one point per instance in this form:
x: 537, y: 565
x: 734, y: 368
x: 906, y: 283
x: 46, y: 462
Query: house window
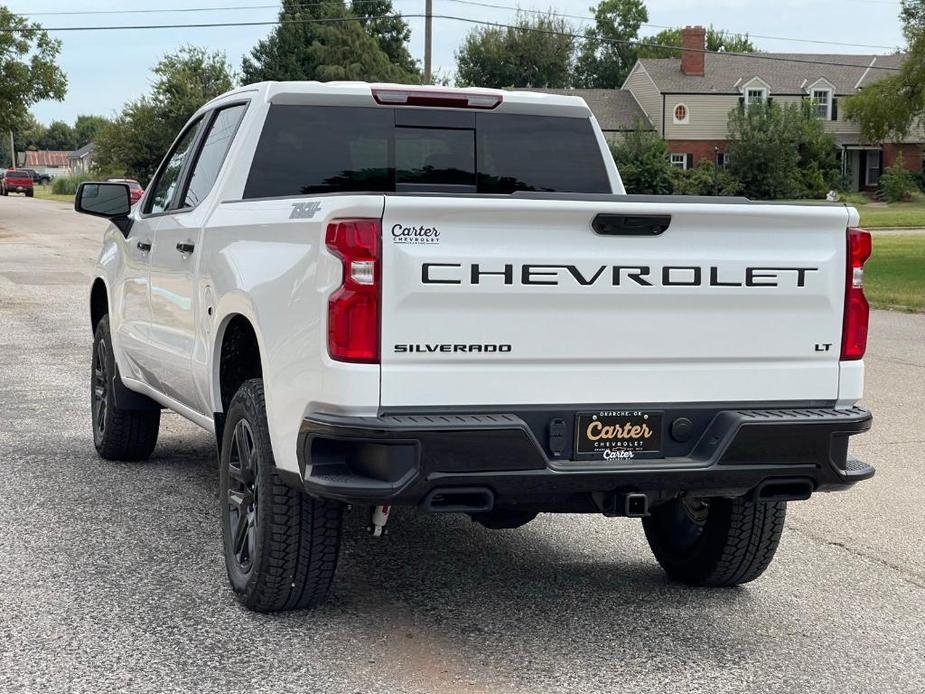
x: 681, y: 115
x: 873, y: 167
x: 721, y: 159
x: 822, y: 100
x: 679, y: 161
x: 755, y: 95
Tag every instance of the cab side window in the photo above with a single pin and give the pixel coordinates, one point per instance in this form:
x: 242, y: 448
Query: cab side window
x: 212, y: 155
x: 169, y: 179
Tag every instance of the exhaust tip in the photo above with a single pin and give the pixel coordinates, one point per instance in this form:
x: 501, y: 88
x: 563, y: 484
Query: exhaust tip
x: 798, y: 489
x: 459, y: 500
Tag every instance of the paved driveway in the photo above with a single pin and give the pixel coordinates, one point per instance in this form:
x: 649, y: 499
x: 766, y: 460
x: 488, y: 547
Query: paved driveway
x: 111, y: 575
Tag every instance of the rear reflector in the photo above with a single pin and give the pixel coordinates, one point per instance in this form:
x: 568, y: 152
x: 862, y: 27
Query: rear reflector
x: 437, y: 97
x: 353, y: 309
x: 857, y: 310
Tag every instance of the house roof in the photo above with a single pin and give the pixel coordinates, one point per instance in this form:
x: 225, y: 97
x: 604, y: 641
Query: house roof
x: 615, y: 109
x: 785, y: 73
x: 81, y: 152
x: 45, y: 157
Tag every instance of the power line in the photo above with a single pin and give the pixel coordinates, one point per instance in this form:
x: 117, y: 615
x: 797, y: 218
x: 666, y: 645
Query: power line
x: 477, y: 3
x: 172, y: 10
x: 474, y: 3
x: 467, y: 20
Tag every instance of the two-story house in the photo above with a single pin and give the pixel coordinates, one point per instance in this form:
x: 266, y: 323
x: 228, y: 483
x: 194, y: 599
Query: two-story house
x: 687, y: 100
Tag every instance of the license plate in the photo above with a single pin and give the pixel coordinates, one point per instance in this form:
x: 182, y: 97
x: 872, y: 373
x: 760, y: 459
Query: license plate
x: 615, y: 435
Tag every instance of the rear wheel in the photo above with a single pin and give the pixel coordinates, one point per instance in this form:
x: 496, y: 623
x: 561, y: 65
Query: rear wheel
x: 118, y: 434
x: 715, y: 541
x: 28, y: 193
x: 281, y: 546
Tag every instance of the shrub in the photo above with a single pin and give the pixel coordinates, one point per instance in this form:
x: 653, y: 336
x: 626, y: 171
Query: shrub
x: 67, y: 185
x: 896, y: 183
x: 781, y: 151
x: 642, y: 159
x: 704, y: 179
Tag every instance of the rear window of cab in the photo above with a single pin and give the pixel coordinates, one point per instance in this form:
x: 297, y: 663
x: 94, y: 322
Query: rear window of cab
x: 307, y: 150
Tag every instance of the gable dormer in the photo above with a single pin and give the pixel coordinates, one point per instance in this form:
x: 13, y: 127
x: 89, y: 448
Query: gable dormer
x: 822, y: 94
x: 754, y: 91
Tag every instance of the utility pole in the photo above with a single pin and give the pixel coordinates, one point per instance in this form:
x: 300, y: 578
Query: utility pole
x: 12, y: 151
x: 428, y: 31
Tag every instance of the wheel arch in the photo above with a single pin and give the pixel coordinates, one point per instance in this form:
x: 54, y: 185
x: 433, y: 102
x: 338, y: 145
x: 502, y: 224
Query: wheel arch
x: 237, y: 357
x: 99, y: 302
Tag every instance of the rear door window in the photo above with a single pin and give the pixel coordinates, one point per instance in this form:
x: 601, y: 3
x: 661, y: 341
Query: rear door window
x: 307, y: 150
x: 212, y: 154
x: 319, y: 149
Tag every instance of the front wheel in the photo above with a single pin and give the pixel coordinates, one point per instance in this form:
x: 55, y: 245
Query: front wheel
x: 281, y: 546
x: 118, y: 434
x: 715, y: 541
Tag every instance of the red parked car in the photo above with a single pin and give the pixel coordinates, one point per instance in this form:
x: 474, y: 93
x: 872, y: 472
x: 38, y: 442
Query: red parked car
x: 135, y: 191
x: 15, y: 181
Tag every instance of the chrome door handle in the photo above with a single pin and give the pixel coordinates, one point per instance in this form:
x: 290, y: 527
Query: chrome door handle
x: 186, y: 247
x: 143, y: 246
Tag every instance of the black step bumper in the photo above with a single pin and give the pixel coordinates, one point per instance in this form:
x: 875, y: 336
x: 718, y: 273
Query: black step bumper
x: 402, y: 459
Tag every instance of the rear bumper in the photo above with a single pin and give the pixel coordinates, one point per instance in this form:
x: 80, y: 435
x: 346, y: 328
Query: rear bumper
x: 520, y: 458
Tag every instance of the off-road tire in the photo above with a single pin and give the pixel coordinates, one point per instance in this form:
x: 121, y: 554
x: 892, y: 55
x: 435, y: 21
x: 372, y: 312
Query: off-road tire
x: 735, y: 542
x: 118, y: 434
x: 286, y: 557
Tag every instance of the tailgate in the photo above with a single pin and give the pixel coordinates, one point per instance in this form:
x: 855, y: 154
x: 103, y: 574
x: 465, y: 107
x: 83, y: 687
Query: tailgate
x: 503, y: 301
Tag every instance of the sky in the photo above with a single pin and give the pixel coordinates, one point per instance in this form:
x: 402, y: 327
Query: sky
x: 107, y: 68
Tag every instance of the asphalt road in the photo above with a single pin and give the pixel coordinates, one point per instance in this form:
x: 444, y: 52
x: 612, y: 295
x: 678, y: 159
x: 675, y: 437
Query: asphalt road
x: 111, y: 574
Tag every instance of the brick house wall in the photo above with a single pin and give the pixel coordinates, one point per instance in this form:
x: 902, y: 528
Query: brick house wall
x: 912, y: 155
x: 700, y: 149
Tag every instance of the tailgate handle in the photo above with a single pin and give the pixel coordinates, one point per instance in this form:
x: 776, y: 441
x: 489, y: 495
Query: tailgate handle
x: 631, y: 224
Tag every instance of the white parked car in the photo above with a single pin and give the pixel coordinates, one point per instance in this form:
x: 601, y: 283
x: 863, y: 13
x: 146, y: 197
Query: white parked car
x: 382, y: 295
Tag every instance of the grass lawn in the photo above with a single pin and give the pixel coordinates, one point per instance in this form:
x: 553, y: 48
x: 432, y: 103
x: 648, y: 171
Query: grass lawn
x: 44, y: 193
x: 894, y: 214
x: 897, y: 214
x: 894, y: 277
x: 875, y: 215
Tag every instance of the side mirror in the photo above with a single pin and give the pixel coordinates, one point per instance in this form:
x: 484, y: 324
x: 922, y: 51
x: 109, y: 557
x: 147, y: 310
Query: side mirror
x: 110, y: 200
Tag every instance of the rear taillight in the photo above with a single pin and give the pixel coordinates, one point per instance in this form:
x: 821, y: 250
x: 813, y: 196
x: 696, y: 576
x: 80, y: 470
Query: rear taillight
x: 353, y: 309
x: 857, y: 310
x: 446, y: 98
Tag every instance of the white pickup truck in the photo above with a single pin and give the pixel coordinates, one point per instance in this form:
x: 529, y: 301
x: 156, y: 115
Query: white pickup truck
x: 381, y: 295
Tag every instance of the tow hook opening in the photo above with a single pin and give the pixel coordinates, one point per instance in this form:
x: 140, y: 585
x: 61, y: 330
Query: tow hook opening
x: 797, y: 489
x: 460, y: 500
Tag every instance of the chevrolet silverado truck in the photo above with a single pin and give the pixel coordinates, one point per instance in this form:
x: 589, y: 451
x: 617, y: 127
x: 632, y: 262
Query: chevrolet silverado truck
x: 379, y: 295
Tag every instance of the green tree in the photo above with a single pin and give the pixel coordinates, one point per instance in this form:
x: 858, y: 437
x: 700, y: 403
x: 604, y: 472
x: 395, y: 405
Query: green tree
x: 608, y: 51
x: 533, y: 53
x: 642, y: 159
x: 781, y: 151
x: 28, y: 72
x: 305, y: 47
x: 86, y: 128
x: 888, y: 108
x: 134, y: 143
x: 30, y: 134
x: 392, y: 32
x: 912, y: 16
x: 58, y: 136
x: 716, y: 40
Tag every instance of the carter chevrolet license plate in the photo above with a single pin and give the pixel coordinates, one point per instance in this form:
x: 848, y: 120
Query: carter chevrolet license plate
x: 617, y: 434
